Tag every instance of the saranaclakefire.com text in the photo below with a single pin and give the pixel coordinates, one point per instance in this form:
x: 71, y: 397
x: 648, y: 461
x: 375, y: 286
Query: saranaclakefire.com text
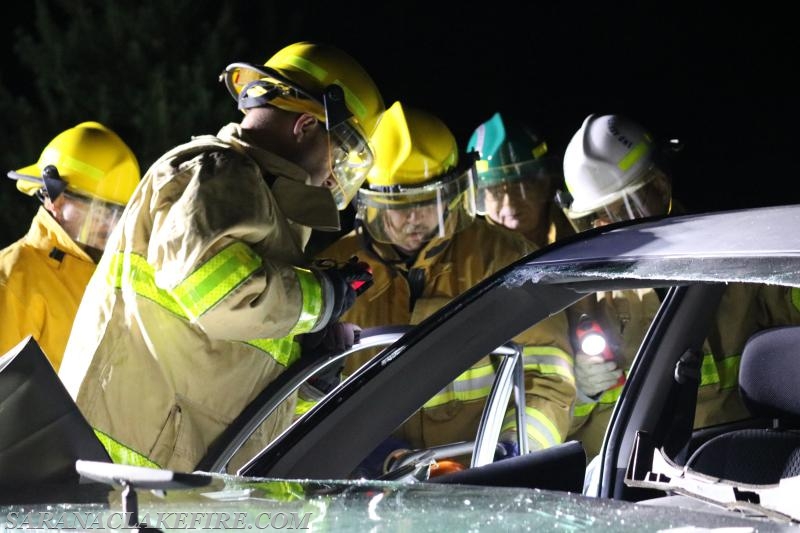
x: 76, y: 520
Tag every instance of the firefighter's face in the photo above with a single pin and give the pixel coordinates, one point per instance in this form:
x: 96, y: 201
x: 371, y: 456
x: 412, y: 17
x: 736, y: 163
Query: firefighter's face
x: 518, y: 205
x: 410, y: 228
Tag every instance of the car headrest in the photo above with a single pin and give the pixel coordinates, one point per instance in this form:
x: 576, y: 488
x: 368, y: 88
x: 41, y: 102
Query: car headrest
x: 769, y: 373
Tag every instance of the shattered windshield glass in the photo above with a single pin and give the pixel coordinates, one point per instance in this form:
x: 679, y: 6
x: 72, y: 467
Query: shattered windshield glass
x: 262, y: 504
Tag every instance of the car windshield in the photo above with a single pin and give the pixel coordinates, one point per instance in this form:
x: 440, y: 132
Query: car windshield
x: 268, y: 504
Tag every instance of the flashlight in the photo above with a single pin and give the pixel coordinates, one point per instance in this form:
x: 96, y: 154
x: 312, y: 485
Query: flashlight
x: 592, y: 341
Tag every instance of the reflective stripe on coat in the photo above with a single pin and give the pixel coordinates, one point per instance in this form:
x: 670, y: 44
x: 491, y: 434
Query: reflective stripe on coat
x: 449, y: 267
x: 192, y: 309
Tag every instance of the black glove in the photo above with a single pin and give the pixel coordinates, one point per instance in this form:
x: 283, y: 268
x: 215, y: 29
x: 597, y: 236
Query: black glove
x: 317, y: 386
x: 345, y: 282
x: 333, y: 338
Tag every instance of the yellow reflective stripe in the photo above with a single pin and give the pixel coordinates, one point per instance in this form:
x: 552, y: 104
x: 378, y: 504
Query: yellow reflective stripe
x: 285, y: 351
x: 216, y: 278
x: 303, y: 406
x: 729, y: 370
x: 708, y: 371
x: 551, y: 351
x: 464, y: 396
x: 62, y: 161
x: 307, y: 66
x: 320, y: 73
x: 724, y: 372
x: 539, y: 150
x: 539, y: 427
x: 611, y: 395
x: 312, y: 301
x: 359, y: 109
x: 796, y: 298
x: 137, y: 273
x: 279, y: 490
x: 583, y: 409
x: 121, y: 454
x: 473, y: 384
x: 548, y: 360
x: 633, y: 156
x: 140, y: 276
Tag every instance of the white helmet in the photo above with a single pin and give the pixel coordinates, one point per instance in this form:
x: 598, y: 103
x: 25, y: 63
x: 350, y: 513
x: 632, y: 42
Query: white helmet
x: 607, y: 165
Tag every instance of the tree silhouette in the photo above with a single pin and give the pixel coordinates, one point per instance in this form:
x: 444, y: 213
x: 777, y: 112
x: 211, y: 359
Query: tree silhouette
x: 146, y: 69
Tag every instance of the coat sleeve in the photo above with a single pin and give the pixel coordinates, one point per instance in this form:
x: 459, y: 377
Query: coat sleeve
x: 221, y: 248
x: 549, y: 384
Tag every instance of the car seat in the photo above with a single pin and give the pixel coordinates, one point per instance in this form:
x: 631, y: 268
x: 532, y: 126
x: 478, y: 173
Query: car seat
x: 769, y: 383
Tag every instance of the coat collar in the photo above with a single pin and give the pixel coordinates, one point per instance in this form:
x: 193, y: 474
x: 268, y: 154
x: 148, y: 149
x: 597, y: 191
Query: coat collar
x: 302, y: 203
x: 46, y: 233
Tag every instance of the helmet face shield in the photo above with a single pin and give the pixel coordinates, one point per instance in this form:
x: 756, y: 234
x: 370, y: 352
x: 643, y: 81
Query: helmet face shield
x: 408, y: 217
x: 530, y: 182
x: 89, y: 221
x: 649, y: 196
x: 350, y: 159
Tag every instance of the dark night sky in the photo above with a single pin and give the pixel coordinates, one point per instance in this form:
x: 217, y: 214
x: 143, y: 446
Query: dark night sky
x: 719, y: 78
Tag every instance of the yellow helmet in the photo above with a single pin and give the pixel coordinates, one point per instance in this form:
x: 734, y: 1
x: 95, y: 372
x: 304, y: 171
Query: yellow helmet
x: 91, y: 160
x: 412, y: 147
x: 327, y: 83
x: 93, y: 172
x: 417, y: 167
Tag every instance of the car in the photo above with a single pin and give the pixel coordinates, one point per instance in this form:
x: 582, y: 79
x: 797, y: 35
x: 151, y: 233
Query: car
x: 651, y: 473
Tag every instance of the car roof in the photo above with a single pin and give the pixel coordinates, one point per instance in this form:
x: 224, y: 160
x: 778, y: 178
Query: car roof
x: 750, y: 245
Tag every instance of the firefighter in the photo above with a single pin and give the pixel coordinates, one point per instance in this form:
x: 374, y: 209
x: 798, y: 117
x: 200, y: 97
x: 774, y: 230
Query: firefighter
x: 416, y: 228
x: 517, y: 179
x: 615, y: 171
x: 611, y: 175
x: 197, y: 303
x: 83, y: 178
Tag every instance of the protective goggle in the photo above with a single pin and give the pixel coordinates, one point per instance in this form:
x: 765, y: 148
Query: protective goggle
x: 531, y: 181
x: 445, y: 204
x: 647, y: 197
x: 349, y: 153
